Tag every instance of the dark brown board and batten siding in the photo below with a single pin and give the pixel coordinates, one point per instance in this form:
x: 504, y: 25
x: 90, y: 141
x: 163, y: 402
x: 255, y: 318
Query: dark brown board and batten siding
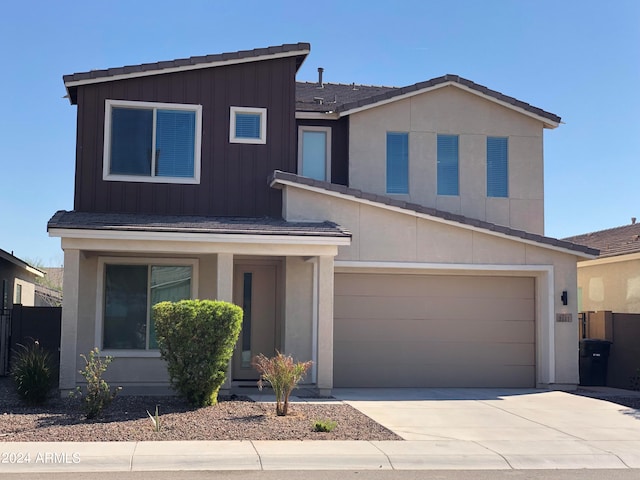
x: 233, y: 176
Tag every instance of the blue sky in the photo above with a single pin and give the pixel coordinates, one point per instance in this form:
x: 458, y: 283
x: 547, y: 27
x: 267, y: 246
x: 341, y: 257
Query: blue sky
x: 579, y: 59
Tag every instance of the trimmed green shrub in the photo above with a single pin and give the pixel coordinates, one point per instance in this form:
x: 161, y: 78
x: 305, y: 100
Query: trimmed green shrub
x: 283, y: 374
x: 32, y: 373
x: 197, y: 338
x: 99, y: 394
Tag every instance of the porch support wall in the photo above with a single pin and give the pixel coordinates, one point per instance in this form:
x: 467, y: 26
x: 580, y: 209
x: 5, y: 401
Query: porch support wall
x: 224, y: 277
x: 69, y: 330
x: 325, y: 324
x: 224, y: 291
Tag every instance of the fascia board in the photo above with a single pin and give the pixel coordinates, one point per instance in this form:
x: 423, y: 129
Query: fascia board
x: 317, y: 116
x: 547, y: 123
x: 430, y: 217
x: 607, y: 260
x: 184, y: 68
x: 197, y: 237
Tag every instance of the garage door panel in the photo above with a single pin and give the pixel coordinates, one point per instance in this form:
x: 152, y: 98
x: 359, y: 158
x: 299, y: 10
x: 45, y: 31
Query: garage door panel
x: 475, y: 356
x: 434, y: 331
x: 438, y: 286
x: 480, y: 309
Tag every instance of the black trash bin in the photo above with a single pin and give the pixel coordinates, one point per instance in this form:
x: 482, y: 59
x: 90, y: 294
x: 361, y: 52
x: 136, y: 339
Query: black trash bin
x: 594, y: 359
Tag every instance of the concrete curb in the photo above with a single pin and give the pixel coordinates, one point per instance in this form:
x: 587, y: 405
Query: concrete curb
x: 22, y: 457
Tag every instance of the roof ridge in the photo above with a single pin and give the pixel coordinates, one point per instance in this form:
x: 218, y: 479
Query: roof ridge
x: 348, y: 84
x: 606, y: 230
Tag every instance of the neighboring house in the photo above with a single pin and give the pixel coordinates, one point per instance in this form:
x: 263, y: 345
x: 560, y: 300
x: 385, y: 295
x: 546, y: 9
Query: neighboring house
x: 17, y: 281
x: 398, y: 241
x: 49, y: 289
x: 611, y: 281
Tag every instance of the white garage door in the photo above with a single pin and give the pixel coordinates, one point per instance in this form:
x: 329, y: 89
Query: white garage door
x: 433, y: 331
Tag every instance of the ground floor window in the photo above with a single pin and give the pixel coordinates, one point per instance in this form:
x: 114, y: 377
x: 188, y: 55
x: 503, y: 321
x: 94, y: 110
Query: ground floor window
x: 129, y: 293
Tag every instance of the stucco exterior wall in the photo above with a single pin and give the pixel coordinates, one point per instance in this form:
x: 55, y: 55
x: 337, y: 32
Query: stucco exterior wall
x: 140, y: 369
x: 610, y: 284
x: 452, y: 111
x: 298, y: 324
x: 383, y: 235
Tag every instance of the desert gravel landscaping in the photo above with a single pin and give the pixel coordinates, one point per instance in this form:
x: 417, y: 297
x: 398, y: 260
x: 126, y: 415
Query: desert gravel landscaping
x: 126, y: 419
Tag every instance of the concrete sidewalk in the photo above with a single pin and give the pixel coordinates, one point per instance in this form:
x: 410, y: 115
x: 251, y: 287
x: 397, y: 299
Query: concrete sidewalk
x: 463, y: 429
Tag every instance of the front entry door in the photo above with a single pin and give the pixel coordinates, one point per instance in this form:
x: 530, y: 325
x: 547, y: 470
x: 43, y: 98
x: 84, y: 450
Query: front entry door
x: 254, y: 290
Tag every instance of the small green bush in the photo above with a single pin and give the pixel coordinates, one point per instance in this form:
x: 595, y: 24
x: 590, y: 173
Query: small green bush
x: 197, y: 338
x: 324, y: 425
x: 32, y: 373
x: 283, y: 374
x: 99, y: 394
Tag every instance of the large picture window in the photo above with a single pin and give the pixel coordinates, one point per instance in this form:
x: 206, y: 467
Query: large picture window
x: 130, y: 291
x: 152, y: 142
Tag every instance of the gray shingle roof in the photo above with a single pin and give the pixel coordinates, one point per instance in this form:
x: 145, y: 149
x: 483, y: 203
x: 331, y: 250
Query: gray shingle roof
x: 342, y: 97
x: 414, y: 207
x: 192, y: 224
x: 613, y: 241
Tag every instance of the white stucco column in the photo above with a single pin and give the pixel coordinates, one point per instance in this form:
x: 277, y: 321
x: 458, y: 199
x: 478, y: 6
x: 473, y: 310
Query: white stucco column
x: 69, y: 329
x: 325, y: 324
x: 224, y: 291
x: 224, y: 277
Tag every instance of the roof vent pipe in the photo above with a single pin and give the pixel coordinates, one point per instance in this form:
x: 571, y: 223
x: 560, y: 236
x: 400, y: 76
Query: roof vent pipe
x: 633, y: 220
x: 320, y: 84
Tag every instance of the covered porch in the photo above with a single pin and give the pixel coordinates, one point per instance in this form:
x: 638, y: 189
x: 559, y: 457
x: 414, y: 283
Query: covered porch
x: 281, y: 273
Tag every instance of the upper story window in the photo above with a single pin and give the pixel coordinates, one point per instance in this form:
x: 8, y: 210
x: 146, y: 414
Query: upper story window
x: 314, y: 152
x: 448, y: 183
x: 397, y: 162
x: 497, y: 167
x: 152, y: 142
x: 248, y: 125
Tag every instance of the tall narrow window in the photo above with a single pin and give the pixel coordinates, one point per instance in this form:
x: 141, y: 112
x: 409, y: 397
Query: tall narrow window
x: 497, y: 167
x: 18, y: 295
x: 314, y: 152
x: 246, y: 319
x: 448, y: 165
x: 397, y: 162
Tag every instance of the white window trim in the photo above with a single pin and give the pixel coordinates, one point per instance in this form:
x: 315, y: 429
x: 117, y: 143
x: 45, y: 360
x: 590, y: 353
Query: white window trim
x: 106, y: 159
x: 263, y: 125
x: 99, y: 323
x: 307, y: 128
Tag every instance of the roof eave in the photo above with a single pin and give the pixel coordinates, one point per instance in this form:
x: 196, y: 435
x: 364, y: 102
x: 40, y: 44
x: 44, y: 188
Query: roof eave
x: 100, y: 76
x: 557, y: 245
x: 547, y: 122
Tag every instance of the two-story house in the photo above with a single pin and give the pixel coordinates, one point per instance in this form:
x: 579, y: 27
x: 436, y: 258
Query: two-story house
x: 394, y: 236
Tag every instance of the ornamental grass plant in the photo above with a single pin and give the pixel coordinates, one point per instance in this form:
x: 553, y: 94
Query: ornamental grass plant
x: 283, y: 375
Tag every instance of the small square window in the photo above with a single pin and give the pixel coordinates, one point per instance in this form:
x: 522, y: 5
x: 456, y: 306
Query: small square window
x: 248, y: 125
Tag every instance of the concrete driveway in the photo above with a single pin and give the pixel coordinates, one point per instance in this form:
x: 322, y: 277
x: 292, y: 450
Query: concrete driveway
x: 524, y: 428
